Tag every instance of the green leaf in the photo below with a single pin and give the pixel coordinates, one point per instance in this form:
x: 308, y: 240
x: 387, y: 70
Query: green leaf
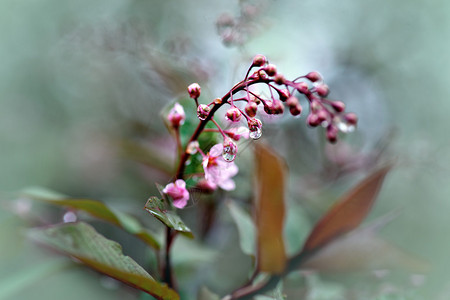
x: 96, y: 209
x: 82, y: 242
x: 159, y: 208
x: 297, y: 227
x: 245, y: 226
x: 270, y: 210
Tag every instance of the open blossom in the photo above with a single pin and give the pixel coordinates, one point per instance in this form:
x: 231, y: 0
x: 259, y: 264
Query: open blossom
x: 178, y: 192
x: 218, y: 172
x: 176, y: 116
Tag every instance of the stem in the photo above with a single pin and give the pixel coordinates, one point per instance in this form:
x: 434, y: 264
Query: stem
x: 167, y: 271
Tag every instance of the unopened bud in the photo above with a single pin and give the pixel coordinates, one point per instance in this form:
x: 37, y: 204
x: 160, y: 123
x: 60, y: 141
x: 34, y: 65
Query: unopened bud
x: 292, y: 101
x: 176, y: 116
x: 314, y: 76
x: 283, y: 94
x: 255, y: 128
x: 279, y: 79
x: 251, y: 108
x: 313, y: 120
x: 332, y: 133
x: 322, y: 90
x: 194, y: 90
x: 295, y: 110
x: 271, y: 70
x: 259, y: 60
x: 322, y: 115
x: 203, y: 111
x: 338, y: 106
x: 268, y: 108
x: 278, y: 107
x: 351, y: 118
x: 233, y: 114
x: 302, y: 87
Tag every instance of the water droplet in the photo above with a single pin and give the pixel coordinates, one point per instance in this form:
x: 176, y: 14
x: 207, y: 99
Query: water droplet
x: 255, y: 133
x: 69, y: 217
x: 229, y: 157
x: 324, y: 124
x: 345, y: 127
x: 192, y: 147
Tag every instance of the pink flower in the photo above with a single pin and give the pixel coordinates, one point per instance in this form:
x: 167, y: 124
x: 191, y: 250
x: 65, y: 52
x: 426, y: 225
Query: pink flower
x: 176, y: 116
x: 218, y: 172
x: 178, y: 192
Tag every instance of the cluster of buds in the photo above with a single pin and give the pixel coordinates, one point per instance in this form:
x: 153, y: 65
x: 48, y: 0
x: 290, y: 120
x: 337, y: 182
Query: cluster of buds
x: 284, y: 96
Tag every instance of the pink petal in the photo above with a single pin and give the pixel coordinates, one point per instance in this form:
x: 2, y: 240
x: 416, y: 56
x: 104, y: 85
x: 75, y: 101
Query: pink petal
x: 216, y: 150
x: 227, y: 185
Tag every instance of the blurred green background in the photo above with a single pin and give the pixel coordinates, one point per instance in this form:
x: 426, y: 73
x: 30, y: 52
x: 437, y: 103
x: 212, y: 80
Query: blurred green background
x: 77, y: 76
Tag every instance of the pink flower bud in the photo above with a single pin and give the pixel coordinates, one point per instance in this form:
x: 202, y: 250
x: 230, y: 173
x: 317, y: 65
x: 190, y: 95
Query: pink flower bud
x: 351, y: 118
x: 314, y: 76
x: 178, y: 192
x: 283, y: 94
x: 292, y: 101
x: 278, y: 107
x: 203, y: 111
x: 313, y: 120
x: 271, y: 69
x: 295, y: 110
x: 322, y: 90
x: 233, y: 114
x: 302, y: 87
x: 176, y: 116
x: 194, y: 90
x: 259, y: 60
x: 251, y: 108
x: 268, y: 108
x: 322, y: 115
x: 338, y: 106
x: 279, y: 79
x: 332, y: 133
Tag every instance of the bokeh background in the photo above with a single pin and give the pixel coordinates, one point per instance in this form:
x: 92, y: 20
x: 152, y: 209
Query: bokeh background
x: 79, y: 77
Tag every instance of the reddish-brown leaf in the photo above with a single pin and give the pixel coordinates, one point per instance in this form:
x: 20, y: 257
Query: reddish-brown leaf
x: 348, y: 212
x: 270, y: 210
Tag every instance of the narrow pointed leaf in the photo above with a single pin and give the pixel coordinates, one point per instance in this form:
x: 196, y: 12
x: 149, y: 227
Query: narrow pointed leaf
x: 270, y: 210
x: 348, y: 213
x: 159, y: 208
x: 246, y: 228
x: 82, y: 242
x: 98, y: 210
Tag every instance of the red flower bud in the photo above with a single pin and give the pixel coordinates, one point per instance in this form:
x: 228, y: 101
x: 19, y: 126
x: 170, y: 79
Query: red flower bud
x: 279, y: 79
x: 313, y: 120
x: 322, y: 90
x: 292, y: 101
x: 283, y: 94
x: 332, y: 133
x: 351, y: 118
x: 295, y: 110
x: 302, y: 87
x: 338, y: 106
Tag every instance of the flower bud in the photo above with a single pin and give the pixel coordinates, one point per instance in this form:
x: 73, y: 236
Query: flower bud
x: 351, y: 118
x: 302, y: 87
x: 338, y: 106
x: 313, y: 120
x: 278, y: 107
x: 279, y: 79
x: 203, y: 111
x: 268, y: 108
x: 283, y: 94
x: 292, y: 101
x: 251, y: 108
x: 254, y: 126
x: 194, y: 90
x: 322, y: 90
x: 233, y: 114
x: 259, y: 60
x: 271, y: 70
x: 314, y: 76
x: 322, y: 115
x: 295, y: 110
x: 332, y: 133
x: 176, y: 116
